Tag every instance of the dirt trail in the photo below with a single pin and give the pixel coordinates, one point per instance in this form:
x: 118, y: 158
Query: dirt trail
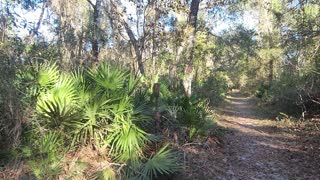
x: 256, y: 149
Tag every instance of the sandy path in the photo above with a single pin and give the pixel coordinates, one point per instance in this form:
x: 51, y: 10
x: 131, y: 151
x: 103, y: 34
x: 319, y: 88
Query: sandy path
x: 256, y: 149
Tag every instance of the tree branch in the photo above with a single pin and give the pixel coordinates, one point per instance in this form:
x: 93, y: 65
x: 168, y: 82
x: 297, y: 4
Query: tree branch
x: 91, y: 3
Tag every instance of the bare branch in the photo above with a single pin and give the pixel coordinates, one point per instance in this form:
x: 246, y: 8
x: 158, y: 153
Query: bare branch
x: 91, y: 3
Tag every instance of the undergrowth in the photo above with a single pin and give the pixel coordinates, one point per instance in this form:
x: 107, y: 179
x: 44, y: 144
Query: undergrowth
x: 99, y: 123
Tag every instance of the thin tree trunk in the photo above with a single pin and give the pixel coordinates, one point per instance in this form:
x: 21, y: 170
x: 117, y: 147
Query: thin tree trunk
x: 37, y: 27
x: 95, y: 42
x: 154, y: 43
x: 271, y: 70
x: 80, y: 44
x: 138, y: 49
x: 3, y: 22
x: 193, y: 16
x: 192, y: 22
x: 139, y: 60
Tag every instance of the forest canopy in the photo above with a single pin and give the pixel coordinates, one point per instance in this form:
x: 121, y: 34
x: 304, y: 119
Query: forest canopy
x: 126, y: 80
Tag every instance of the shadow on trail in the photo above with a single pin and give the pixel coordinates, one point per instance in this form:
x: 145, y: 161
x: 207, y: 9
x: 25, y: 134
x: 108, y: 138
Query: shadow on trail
x: 263, y: 152
x: 242, y: 103
x: 256, y: 149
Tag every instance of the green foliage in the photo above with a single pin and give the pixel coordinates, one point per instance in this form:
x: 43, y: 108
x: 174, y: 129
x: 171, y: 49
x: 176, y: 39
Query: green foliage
x: 48, y: 75
x: 59, y: 110
x: 49, y: 143
x: 286, y: 94
x: 45, y: 155
x: 162, y: 163
x: 103, y: 107
x: 105, y: 174
x: 194, y: 115
x: 126, y: 140
x: 262, y: 92
x: 276, y: 6
x: 108, y: 77
x: 311, y: 11
x: 215, y: 87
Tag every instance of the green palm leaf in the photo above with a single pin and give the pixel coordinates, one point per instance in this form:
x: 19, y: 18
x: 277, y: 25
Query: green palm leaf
x: 110, y: 78
x: 57, y: 105
x: 164, y: 162
x: 57, y: 113
x: 49, y: 142
x: 126, y: 141
x: 132, y: 83
x: 94, y: 122
x: 48, y: 74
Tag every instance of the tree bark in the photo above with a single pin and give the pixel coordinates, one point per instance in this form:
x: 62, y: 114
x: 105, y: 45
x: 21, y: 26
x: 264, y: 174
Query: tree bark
x: 80, y: 36
x: 271, y: 70
x: 95, y: 41
x: 192, y: 22
x: 154, y: 31
x: 36, y: 29
x: 134, y: 42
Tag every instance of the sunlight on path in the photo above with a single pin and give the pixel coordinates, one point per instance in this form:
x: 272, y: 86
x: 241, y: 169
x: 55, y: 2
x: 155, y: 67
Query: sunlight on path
x: 254, y: 148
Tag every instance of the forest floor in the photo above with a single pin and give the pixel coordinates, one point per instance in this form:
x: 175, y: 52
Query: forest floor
x: 257, y: 148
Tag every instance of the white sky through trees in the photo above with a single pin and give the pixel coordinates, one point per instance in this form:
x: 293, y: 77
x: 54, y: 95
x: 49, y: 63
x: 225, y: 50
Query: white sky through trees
x: 25, y: 20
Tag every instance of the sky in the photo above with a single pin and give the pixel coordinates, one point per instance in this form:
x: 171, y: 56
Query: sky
x: 248, y: 19
x: 31, y: 17
x: 217, y: 24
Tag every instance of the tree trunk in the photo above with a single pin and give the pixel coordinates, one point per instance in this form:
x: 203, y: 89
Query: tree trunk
x: 155, y: 20
x: 37, y: 27
x: 192, y: 22
x: 139, y: 60
x: 271, y: 67
x: 138, y: 49
x: 80, y: 36
x: 95, y: 42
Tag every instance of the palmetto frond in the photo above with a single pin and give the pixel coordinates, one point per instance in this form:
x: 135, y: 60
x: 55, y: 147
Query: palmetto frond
x: 102, y: 107
x: 49, y: 142
x: 164, y: 162
x: 57, y: 105
x: 122, y: 107
x: 94, y: 122
x: 126, y: 140
x: 64, y: 88
x: 193, y: 114
x: 132, y: 83
x: 48, y: 74
x: 109, y: 77
x: 57, y: 113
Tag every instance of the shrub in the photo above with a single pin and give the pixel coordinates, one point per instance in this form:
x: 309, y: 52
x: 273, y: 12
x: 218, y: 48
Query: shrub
x: 93, y: 107
x: 194, y: 115
x: 215, y: 87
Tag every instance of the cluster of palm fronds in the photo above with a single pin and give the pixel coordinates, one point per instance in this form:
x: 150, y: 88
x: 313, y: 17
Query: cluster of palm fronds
x: 103, y: 108
x: 191, y: 117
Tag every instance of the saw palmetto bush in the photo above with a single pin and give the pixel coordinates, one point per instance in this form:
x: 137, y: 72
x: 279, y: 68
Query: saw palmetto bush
x: 44, y: 155
x: 103, y: 108
x: 161, y: 163
x: 195, y: 115
x: 191, y: 117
